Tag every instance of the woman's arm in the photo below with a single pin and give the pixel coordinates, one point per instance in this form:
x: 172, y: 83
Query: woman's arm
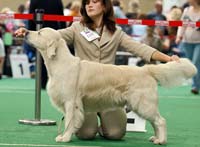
x: 158, y: 56
x: 144, y: 51
x: 69, y: 32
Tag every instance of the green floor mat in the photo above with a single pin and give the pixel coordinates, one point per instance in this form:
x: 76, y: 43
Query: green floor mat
x: 180, y: 108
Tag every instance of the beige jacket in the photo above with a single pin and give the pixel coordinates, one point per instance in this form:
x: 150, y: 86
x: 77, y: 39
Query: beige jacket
x: 104, y: 51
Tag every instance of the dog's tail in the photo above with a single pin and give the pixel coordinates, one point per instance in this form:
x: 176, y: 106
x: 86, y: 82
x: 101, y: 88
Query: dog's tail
x: 173, y: 73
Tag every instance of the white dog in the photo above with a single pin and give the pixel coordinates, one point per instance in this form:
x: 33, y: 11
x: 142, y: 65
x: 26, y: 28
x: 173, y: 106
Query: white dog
x: 77, y: 87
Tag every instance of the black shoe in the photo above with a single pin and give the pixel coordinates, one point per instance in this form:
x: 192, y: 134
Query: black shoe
x: 195, y: 91
x: 0, y: 76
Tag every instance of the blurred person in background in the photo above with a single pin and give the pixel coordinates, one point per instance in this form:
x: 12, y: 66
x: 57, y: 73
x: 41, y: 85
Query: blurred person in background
x: 26, y: 11
x: 157, y: 14
x: 139, y: 31
x: 7, y: 37
x: 158, y: 10
x: 2, y: 52
x: 168, y: 4
x: 175, y: 13
x: 190, y: 37
x: 169, y: 42
x: 67, y: 10
x: 50, y: 7
x: 134, y: 12
x: 75, y: 9
x: 21, y: 8
x: 152, y: 38
x: 185, y: 5
x: 134, y: 9
x: 98, y: 18
x: 118, y: 13
x: 11, y: 25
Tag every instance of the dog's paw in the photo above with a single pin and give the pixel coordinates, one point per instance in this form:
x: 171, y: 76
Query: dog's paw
x: 66, y: 139
x: 61, y: 138
x: 156, y: 140
x: 152, y: 138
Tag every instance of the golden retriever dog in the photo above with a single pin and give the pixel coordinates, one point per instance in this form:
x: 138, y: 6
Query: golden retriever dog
x: 78, y: 86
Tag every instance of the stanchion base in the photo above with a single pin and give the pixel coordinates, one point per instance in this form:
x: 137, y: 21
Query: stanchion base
x: 43, y: 122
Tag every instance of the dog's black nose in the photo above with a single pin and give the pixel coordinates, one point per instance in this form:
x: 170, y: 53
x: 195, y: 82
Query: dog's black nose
x: 26, y: 33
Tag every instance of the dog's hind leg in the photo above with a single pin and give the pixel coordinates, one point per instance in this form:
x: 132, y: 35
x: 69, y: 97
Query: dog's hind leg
x: 145, y: 104
x: 159, y: 125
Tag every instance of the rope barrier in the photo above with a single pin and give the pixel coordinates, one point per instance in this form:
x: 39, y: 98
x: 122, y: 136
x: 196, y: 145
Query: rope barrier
x: 118, y: 20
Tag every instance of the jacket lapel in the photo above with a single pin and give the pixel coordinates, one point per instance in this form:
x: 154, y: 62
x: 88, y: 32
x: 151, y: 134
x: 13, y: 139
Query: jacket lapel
x: 105, y: 37
x: 96, y: 42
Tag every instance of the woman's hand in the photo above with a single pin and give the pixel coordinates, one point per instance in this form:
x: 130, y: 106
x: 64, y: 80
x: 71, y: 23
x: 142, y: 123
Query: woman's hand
x: 174, y: 58
x: 21, y: 32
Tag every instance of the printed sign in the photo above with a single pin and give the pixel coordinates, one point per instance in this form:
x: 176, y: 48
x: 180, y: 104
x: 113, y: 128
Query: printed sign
x: 19, y: 66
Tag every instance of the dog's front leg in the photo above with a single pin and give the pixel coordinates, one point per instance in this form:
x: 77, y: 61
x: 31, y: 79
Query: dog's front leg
x: 69, y: 123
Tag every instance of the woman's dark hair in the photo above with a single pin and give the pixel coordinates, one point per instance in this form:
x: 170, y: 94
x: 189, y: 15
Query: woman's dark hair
x: 116, y: 3
x: 108, y: 17
x: 198, y: 2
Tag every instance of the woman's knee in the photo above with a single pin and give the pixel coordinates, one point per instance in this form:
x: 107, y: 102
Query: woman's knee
x: 87, y: 134
x: 113, y: 124
x: 90, y: 127
x: 115, y: 133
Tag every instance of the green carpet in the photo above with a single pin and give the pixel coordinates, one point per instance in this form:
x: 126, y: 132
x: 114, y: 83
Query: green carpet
x: 180, y: 108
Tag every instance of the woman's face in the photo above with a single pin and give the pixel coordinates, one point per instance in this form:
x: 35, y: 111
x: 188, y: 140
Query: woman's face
x: 94, y: 8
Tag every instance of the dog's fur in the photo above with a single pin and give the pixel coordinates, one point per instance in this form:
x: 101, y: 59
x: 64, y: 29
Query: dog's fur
x: 79, y: 86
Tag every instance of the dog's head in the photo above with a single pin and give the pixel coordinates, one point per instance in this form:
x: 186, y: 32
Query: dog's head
x: 46, y: 41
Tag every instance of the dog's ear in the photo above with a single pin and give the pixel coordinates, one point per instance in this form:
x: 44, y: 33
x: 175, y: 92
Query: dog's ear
x: 51, y: 49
